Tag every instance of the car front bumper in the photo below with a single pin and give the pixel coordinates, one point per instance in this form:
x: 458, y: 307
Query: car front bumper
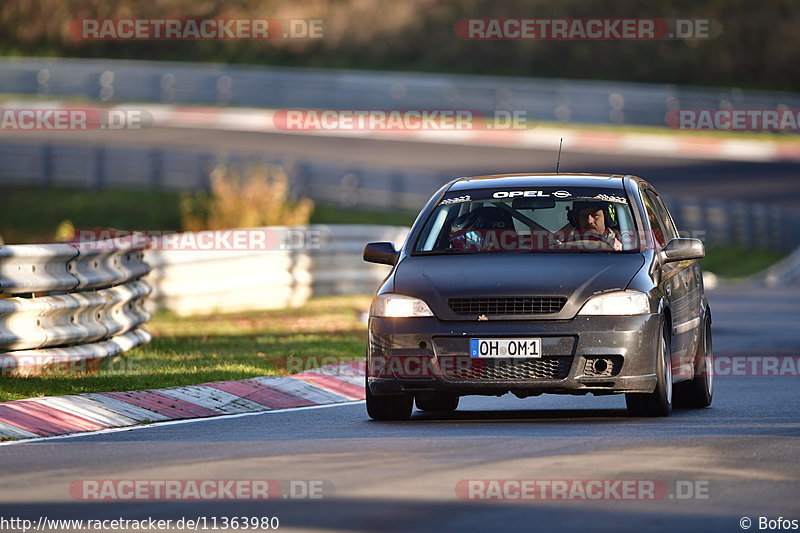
x: 426, y: 354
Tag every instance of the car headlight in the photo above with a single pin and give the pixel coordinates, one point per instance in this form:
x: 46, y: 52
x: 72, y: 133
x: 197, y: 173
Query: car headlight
x: 617, y: 303
x: 398, y: 305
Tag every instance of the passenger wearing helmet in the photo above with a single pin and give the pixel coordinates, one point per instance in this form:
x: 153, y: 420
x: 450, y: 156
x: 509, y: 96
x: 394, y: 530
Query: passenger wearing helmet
x: 594, y: 221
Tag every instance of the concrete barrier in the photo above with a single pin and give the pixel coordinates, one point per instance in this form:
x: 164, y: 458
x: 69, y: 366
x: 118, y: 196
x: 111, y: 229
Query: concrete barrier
x: 190, y: 282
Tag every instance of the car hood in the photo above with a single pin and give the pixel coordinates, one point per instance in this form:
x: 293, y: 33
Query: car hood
x: 574, y: 276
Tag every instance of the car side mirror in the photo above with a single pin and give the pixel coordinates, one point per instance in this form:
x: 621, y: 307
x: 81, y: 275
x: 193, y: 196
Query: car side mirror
x: 382, y: 253
x: 682, y: 250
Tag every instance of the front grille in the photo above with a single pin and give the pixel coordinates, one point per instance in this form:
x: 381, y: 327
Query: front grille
x: 525, y: 305
x: 469, y: 368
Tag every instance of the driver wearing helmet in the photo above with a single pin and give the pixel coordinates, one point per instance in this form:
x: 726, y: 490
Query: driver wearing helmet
x: 485, y: 229
x: 594, y: 221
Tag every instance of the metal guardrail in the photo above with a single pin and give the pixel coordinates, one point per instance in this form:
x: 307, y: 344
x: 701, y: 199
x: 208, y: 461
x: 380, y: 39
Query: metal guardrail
x: 736, y: 223
x: 28, y: 268
x: 190, y: 282
x: 68, y: 165
x: 115, y: 80
x: 66, y: 304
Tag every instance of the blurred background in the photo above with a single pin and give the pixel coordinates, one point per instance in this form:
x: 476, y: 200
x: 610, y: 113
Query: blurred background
x: 756, y: 48
x: 209, y: 153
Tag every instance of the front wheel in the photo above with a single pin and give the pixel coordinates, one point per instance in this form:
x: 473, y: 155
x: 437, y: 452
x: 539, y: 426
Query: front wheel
x: 658, y: 402
x: 390, y: 407
x: 697, y: 392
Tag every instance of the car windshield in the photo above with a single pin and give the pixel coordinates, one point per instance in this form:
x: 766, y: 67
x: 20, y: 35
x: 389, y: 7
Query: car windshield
x: 547, y: 219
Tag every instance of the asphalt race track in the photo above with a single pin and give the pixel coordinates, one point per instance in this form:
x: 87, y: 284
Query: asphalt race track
x: 775, y: 183
x: 402, y: 476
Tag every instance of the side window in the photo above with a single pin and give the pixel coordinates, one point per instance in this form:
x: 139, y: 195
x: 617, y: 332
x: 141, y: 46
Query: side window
x: 655, y: 223
x: 663, y: 214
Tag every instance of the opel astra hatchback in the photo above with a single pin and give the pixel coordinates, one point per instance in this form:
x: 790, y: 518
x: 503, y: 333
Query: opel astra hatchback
x: 531, y: 284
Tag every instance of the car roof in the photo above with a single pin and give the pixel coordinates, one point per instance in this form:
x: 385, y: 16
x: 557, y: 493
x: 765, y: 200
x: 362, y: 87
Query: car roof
x: 494, y: 181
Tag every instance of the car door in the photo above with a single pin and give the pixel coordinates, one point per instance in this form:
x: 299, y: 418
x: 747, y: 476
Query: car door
x: 676, y: 282
x: 692, y: 276
x: 673, y: 281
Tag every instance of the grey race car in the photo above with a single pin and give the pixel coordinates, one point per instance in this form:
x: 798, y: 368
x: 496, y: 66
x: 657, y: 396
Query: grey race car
x: 531, y: 284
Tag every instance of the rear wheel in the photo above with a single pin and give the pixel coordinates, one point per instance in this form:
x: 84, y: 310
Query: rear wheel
x: 390, y: 407
x: 438, y: 402
x: 658, y: 402
x: 697, y: 392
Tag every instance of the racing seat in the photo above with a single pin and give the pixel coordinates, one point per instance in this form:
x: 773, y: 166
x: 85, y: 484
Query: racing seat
x: 482, y: 228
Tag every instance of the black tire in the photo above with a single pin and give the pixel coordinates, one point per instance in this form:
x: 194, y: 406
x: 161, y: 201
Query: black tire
x: 698, y: 392
x: 658, y: 402
x: 390, y: 407
x: 438, y: 402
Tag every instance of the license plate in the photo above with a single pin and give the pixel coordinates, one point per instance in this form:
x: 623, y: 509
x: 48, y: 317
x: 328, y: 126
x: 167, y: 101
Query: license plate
x: 505, y: 348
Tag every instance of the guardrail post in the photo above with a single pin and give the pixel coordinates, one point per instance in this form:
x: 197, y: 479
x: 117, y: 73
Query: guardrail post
x: 397, y: 184
x: 740, y: 220
x: 224, y: 92
x: 299, y: 174
x: 45, y: 176
x: 156, y: 169
x: 42, y: 85
x: 349, y: 184
x: 759, y: 230
x: 97, y: 175
x: 777, y: 232
x: 717, y: 225
x: 202, y: 178
x: 791, y: 239
x: 690, y: 215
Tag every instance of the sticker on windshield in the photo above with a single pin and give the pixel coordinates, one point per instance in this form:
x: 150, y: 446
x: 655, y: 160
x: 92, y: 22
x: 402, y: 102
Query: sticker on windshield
x: 530, y: 194
x: 610, y: 198
x: 518, y: 194
x: 457, y: 200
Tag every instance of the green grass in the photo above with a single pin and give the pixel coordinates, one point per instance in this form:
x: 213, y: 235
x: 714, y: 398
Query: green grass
x: 188, y: 351
x: 732, y: 262
x: 32, y: 215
